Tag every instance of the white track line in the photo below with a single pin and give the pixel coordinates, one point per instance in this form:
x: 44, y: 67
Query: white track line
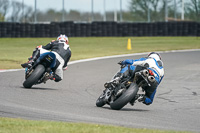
x: 108, y: 57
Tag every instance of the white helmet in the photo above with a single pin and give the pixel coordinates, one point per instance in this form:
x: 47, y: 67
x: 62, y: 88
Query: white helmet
x: 155, y: 55
x: 63, y: 38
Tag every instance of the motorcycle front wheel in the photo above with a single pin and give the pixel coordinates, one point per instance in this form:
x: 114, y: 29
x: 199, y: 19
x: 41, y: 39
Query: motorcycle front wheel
x: 34, y: 77
x: 100, y: 101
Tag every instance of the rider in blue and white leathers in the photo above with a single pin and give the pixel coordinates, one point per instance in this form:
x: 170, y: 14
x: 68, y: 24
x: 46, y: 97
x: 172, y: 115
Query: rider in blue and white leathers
x: 154, y: 63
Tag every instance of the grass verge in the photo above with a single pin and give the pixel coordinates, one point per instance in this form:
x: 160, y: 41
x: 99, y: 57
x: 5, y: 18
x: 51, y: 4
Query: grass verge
x: 14, y: 51
x: 10, y: 125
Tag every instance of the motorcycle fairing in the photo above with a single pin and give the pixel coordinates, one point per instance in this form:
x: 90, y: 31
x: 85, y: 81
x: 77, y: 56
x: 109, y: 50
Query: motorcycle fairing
x: 50, y: 57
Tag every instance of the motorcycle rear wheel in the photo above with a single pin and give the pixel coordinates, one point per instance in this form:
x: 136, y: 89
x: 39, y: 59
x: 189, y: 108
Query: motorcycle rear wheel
x: 126, y: 97
x: 34, y: 77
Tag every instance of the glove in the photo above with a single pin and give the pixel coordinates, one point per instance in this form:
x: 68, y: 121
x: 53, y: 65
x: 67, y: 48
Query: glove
x: 39, y: 47
x: 120, y: 63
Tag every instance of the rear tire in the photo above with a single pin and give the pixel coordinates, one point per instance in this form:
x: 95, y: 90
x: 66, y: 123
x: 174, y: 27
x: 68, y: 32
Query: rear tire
x: 34, y: 77
x: 126, y: 97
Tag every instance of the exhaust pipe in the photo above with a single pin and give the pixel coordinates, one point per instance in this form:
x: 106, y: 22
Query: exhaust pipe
x: 151, y: 78
x: 145, y: 73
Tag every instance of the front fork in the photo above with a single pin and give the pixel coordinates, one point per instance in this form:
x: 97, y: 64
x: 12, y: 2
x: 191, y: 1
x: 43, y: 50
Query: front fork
x: 106, y: 96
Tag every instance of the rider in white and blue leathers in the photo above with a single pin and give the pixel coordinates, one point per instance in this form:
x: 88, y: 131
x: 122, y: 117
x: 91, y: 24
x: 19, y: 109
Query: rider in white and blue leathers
x: 154, y: 63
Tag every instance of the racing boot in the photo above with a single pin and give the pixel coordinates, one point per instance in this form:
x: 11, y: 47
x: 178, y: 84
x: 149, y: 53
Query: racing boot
x: 55, y: 77
x: 28, y: 64
x: 115, y: 81
x: 35, y: 55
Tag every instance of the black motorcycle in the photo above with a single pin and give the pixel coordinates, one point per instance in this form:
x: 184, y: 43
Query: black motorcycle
x: 126, y: 91
x: 41, y: 70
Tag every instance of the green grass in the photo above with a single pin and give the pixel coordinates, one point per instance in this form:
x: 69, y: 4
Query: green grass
x: 14, y: 51
x: 10, y: 125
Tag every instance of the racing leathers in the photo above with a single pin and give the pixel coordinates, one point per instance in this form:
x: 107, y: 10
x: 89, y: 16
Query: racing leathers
x: 63, y: 55
x: 152, y: 64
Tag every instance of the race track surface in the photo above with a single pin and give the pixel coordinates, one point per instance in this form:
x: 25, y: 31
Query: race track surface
x: 176, y: 105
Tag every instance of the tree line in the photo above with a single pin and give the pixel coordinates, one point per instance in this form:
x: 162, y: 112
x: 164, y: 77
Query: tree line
x: 155, y: 10
x: 137, y: 11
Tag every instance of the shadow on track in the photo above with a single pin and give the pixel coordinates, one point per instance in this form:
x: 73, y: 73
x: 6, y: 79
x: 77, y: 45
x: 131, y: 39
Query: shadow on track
x: 127, y: 109
x: 37, y: 88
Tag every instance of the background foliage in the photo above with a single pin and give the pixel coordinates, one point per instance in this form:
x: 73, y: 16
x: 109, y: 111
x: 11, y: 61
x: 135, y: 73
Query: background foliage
x: 138, y: 10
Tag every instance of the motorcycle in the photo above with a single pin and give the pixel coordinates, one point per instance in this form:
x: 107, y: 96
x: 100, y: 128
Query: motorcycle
x: 41, y: 70
x: 126, y: 91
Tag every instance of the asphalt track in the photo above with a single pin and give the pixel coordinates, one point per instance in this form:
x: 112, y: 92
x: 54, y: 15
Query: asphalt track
x: 176, y: 105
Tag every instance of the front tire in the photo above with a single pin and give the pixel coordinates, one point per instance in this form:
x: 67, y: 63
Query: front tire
x: 126, y: 97
x: 100, y: 101
x: 34, y: 77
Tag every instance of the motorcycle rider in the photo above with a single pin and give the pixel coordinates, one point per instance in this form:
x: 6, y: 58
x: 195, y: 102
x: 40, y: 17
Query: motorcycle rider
x: 62, y: 51
x: 152, y: 62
